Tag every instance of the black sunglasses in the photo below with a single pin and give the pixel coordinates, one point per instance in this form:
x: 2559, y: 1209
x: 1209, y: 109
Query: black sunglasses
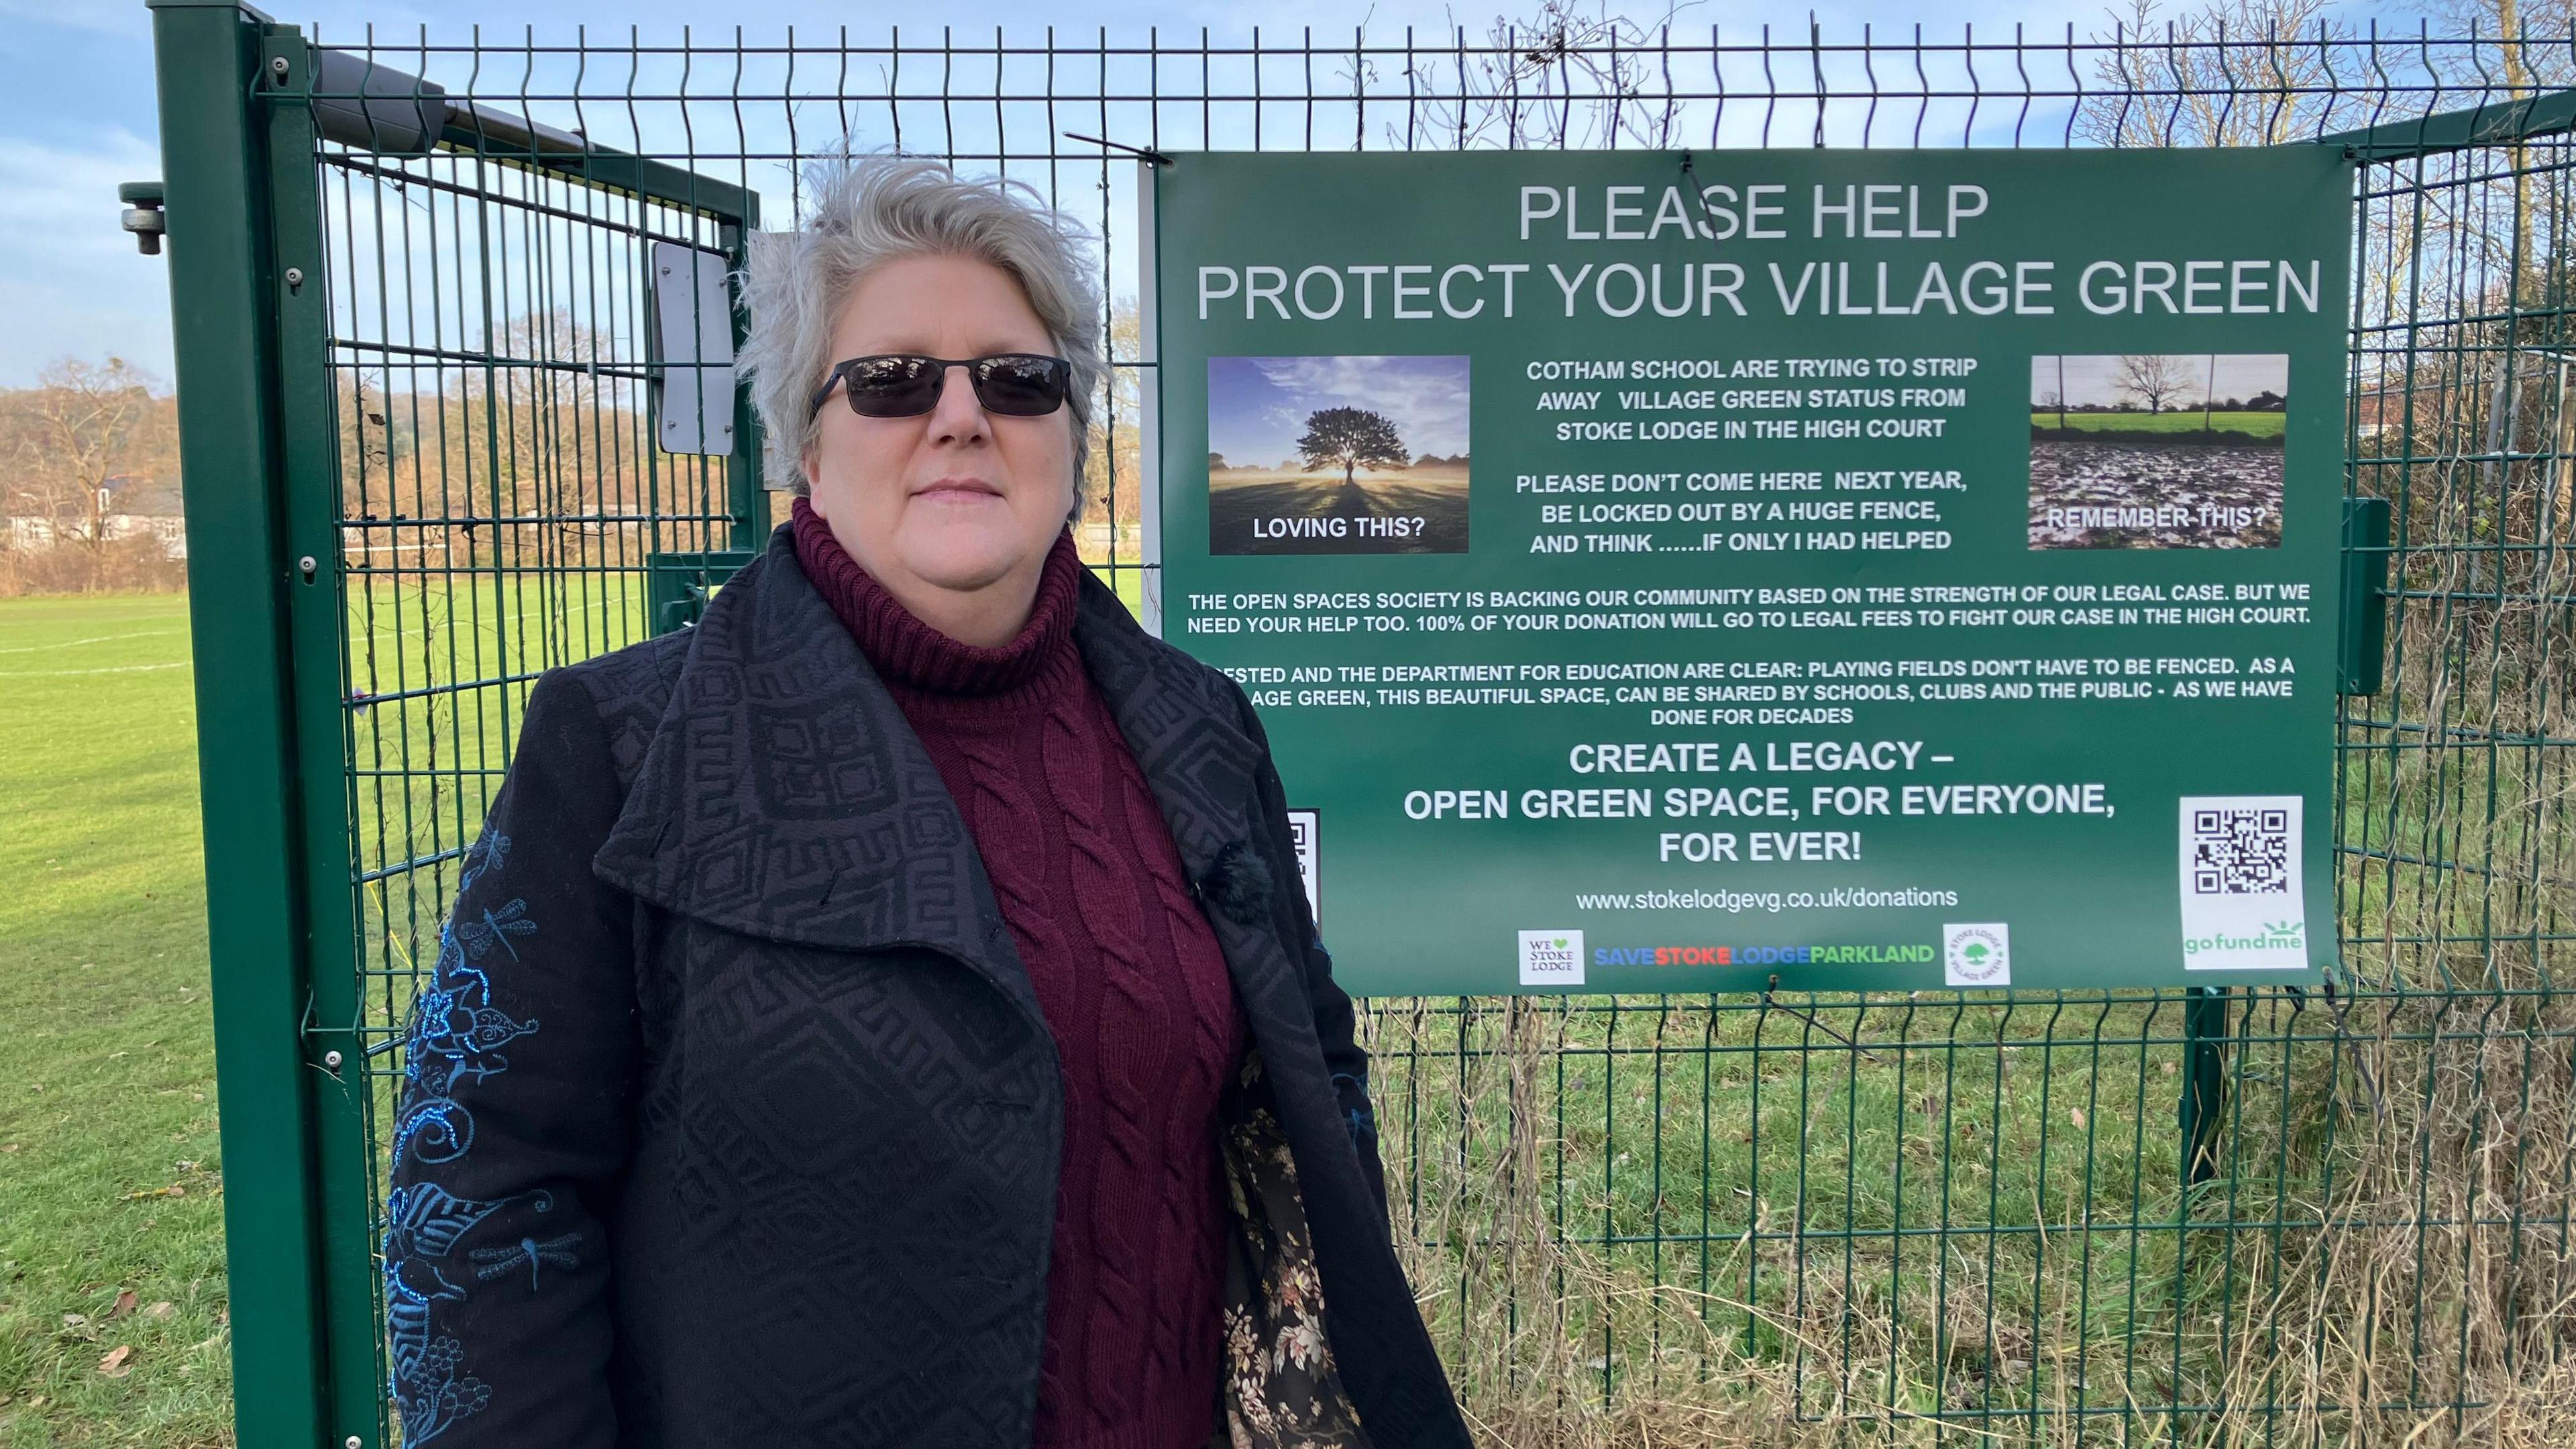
x: 906, y: 384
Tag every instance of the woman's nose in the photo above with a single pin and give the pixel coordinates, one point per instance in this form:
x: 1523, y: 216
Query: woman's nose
x: 959, y: 415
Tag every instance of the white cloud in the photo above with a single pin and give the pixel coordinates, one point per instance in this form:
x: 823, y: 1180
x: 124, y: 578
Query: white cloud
x: 1425, y: 397
x: 46, y: 324
x: 71, y: 281
x: 57, y: 201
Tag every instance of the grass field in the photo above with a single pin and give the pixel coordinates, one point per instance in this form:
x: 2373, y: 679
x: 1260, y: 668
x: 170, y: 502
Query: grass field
x: 2251, y: 424
x: 112, y: 1326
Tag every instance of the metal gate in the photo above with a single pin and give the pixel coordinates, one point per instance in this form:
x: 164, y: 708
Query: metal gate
x: 454, y: 344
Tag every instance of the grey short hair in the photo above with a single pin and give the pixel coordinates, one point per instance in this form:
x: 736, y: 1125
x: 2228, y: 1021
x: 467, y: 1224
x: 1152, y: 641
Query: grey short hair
x: 868, y: 210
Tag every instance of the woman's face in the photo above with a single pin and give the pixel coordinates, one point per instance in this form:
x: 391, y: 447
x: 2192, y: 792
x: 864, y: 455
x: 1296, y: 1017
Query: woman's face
x: 957, y: 500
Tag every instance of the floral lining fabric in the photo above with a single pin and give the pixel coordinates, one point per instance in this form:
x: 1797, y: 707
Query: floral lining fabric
x: 1281, y: 1390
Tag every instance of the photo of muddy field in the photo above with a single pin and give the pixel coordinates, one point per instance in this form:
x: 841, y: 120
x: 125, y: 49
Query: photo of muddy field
x: 2157, y: 450
x: 1337, y: 455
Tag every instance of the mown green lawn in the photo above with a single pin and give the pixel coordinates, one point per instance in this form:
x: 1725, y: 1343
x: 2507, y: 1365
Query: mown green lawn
x: 2252, y: 424
x: 112, y: 1327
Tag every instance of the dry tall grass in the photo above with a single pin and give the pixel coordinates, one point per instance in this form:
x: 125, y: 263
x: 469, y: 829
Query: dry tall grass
x: 140, y: 563
x: 2382, y: 1257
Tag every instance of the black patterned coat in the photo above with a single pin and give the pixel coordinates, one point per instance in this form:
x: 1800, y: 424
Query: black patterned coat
x: 730, y: 1116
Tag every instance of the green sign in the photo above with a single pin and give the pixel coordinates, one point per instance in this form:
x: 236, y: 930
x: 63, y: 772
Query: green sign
x: 1843, y: 569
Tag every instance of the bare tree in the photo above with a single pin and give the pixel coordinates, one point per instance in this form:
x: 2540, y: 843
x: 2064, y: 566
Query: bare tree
x: 2153, y: 379
x: 2234, y: 73
x: 2523, y: 50
x: 1113, y: 478
x: 82, y: 426
x: 2528, y: 49
x: 1567, y: 76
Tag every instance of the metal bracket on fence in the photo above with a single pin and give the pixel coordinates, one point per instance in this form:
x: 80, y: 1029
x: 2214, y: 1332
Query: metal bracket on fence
x: 2363, y: 635
x: 678, y: 585
x: 2204, y: 1081
x: 692, y: 351
x: 1771, y: 998
x: 1141, y: 153
x: 370, y: 106
x: 2504, y: 123
x: 358, y: 102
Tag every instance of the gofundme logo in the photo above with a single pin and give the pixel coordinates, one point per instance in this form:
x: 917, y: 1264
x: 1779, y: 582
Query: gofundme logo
x: 1551, y: 958
x: 2274, y: 936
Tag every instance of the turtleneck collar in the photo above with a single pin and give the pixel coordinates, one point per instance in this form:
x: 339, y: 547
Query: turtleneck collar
x: 912, y: 654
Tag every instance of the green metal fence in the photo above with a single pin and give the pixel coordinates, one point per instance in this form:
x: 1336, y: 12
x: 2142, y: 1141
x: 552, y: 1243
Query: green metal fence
x: 436, y: 349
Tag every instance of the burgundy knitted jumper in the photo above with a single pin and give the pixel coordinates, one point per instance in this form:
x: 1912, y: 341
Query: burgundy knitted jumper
x: 1128, y: 975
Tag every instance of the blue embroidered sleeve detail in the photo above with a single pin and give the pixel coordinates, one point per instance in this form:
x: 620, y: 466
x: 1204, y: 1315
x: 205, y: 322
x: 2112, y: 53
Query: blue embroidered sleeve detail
x: 1362, y: 1123
x: 456, y: 1039
x: 491, y: 1263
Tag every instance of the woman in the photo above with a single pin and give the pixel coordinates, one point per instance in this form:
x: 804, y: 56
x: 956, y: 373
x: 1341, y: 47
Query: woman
x: 886, y: 1013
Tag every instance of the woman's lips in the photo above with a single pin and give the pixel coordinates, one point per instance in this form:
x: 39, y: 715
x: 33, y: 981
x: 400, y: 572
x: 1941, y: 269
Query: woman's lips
x: 953, y: 490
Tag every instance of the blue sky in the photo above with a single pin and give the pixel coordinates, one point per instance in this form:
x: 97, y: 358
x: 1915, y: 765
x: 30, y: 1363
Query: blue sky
x: 1257, y: 406
x: 76, y: 109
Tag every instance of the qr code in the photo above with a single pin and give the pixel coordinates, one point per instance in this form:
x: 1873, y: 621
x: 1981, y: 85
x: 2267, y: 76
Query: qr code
x: 1306, y: 830
x: 2240, y: 852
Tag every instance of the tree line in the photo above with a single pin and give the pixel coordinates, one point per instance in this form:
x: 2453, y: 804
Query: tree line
x: 89, y: 480
x: 545, y: 456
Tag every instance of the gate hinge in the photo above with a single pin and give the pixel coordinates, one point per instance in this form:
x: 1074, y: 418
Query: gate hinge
x: 143, y: 215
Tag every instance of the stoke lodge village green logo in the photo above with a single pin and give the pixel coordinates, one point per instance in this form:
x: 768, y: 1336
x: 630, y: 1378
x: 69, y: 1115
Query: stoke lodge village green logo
x: 1551, y: 958
x: 1976, y: 954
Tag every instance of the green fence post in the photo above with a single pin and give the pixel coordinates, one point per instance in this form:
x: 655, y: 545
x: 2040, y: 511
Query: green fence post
x: 2204, y: 1081
x: 334, y: 1050
x: 222, y: 281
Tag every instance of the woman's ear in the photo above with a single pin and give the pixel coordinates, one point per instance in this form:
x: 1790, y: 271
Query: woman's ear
x: 1073, y: 494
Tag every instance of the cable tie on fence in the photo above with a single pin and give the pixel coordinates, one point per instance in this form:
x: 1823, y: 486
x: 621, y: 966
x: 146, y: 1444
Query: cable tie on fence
x: 1140, y: 152
x: 1770, y: 997
x: 1692, y: 178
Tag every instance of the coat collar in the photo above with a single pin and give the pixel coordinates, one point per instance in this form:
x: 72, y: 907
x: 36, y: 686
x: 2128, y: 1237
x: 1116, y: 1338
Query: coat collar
x: 784, y: 795
x: 1193, y: 736
x: 1182, y: 722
